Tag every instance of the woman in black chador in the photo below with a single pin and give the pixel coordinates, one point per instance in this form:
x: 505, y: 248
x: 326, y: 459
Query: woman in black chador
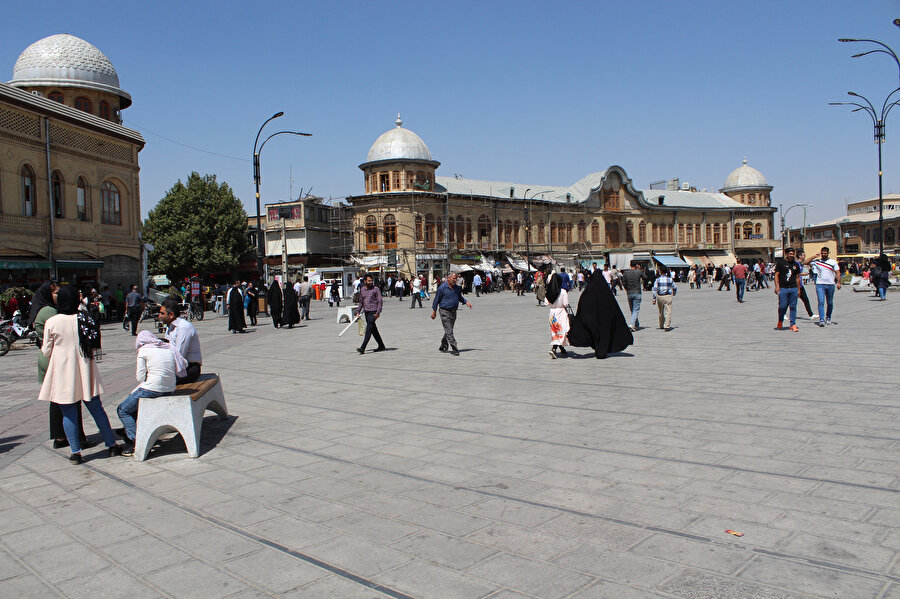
x: 599, y: 322
x: 291, y: 310
x: 236, y: 321
x: 275, y: 301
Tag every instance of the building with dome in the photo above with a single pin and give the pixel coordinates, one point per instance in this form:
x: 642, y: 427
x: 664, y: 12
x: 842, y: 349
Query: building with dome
x: 411, y: 220
x: 69, y: 185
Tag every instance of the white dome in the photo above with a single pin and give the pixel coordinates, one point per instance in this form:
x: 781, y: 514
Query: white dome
x: 398, y: 143
x: 745, y: 177
x: 67, y: 61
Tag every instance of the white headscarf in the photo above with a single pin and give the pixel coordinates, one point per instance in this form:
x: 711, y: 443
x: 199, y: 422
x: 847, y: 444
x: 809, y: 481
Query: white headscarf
x: 148, y: 338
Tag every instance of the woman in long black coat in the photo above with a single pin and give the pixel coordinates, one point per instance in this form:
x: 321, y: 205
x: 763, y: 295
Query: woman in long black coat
x: 275, y: 303
x: 291, y: 310
x: 253, y: 307
x: 236, y: 321
x: 599, y: 322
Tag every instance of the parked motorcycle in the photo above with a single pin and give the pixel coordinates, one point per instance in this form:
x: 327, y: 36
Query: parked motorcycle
x: 13, y: 330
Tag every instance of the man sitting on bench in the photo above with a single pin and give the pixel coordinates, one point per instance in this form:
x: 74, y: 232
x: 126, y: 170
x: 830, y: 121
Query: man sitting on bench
x: 183, y: 337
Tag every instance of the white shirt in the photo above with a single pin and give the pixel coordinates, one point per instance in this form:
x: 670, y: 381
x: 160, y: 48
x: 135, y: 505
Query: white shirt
x: 183, y: 337
x: 417, y: 284
x: 156, y: 369
x: 827, y: 271
x: 476, y: 280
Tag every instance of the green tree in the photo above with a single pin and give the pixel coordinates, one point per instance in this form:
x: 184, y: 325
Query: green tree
x: 198, y: 227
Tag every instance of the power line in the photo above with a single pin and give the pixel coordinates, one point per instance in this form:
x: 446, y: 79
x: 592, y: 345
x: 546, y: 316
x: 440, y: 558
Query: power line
x: 138, y: 127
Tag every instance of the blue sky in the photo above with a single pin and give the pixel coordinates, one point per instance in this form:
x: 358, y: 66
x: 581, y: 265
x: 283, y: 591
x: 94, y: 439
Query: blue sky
x: 522, y: 91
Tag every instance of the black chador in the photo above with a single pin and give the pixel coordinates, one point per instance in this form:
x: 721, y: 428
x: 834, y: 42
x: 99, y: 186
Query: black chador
x: 291, y: 310
x: 236, y: 321
x: 275, y: 303
x: 599, y: 322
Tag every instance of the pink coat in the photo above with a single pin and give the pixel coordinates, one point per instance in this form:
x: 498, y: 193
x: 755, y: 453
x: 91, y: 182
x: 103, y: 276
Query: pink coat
x: 70, y: 376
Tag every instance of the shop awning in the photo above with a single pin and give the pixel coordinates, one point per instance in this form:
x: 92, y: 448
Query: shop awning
x: 88, y: 264
x: 671, y: 261
x: 621, y: 260
x: 722, y: 258
x: 23, y: 264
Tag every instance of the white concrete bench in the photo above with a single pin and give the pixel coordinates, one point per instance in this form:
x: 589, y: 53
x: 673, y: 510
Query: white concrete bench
x: 345, y: 314
x: 181, y: 412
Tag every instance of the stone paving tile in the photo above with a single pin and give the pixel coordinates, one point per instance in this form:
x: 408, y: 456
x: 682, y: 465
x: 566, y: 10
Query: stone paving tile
x: 692, y: 584
x: 109, y: 582
x: 605, y: 590
x: 543, y: 580
x: 373, y: 528
x: 443, y: 550
x: 195, y: 579
x: 9, y: 566
x: 27, y: 586
x: 215, y: 545
x: 693, y: 553
x: 512, y: 512
x: 292, y: 532
x: 803, y: 578
x: 360, y: 557
x: 274, y: 571
x: 56, y: 564
x: 618, y: 566
x: 421, y: 579
x: 840, y: 552
x: 330, y: 587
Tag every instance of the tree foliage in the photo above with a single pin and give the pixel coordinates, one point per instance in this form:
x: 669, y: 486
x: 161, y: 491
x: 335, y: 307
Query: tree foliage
x: 198, y: 227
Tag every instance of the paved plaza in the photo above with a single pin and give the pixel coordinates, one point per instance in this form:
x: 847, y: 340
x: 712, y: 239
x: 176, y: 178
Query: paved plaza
x: 499, y: 473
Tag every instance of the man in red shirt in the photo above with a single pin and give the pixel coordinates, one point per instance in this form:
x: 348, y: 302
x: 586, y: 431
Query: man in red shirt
x: 740, y: 280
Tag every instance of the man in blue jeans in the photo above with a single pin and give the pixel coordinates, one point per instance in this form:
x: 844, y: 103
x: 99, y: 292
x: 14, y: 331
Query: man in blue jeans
x: 828, y: 276
x: 787, y: 288
x: 447, y: 299
x: 634, y: 279
x: 739, y: 272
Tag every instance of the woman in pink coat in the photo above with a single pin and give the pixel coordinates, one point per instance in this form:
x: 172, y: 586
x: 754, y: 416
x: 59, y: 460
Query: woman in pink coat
x: 72, y: 374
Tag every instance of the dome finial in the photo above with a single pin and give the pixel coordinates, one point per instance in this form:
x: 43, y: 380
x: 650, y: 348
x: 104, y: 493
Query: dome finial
x: 744, y: 161
x: 399, y: 121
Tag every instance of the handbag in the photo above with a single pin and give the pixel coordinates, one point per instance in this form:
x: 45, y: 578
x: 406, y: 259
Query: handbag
x: 569, y: 312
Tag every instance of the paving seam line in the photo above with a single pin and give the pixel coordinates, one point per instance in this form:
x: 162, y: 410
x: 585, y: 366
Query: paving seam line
x: 370, y: 584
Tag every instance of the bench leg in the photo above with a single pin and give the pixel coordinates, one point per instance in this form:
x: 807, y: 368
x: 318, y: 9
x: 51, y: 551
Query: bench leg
x: 145, y: 441
x: 216, y: 402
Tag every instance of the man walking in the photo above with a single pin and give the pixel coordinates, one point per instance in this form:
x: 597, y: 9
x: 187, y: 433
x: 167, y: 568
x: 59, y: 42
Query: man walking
x: 476, y: 283
x: 634, y: 279
x: 828, y: 276
x: 726, y: 278
x: 448, y: 298
x: 370, y: 304
x: 134, y: 303
x: 304, y: 295
x: 664, y: 290
x: 415, y: 293
x: 740, y: 280
x: 787, y: 288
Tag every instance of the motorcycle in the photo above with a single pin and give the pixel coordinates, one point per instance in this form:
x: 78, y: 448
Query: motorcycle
x: 14, y: 329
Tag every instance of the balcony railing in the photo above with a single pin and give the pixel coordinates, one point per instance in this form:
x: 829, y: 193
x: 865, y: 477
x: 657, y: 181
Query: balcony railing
x: 26, y: 226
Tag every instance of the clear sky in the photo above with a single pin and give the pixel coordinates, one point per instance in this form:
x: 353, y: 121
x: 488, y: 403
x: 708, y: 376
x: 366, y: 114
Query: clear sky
x: 525, y: 91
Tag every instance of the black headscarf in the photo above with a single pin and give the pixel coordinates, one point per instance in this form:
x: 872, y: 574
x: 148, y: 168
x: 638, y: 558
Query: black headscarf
x: 42, y: 297
x: 553, y: 287
x: 599, y: 322
x: 291, y: 311
x: 275, y: 303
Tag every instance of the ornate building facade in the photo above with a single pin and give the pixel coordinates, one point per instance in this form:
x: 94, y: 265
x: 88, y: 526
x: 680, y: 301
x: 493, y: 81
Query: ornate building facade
x: 69, y: 185
x: 412, y: 220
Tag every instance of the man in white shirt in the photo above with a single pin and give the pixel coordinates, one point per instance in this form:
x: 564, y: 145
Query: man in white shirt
x: 828, y: 276
x: 183, y: 337
x: 415, y: 292
x: 476, y: 283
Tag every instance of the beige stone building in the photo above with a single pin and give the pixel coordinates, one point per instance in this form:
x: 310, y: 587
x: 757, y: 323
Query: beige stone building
x: 856, y: 234
x: 412, y: 220
x: 69, y: 185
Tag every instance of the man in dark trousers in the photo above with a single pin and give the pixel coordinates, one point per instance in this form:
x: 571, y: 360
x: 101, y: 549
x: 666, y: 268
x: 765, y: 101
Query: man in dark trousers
x: 134, y: 303
x: 787, y: 288
x: 370, y: 303
x: 448, y: 298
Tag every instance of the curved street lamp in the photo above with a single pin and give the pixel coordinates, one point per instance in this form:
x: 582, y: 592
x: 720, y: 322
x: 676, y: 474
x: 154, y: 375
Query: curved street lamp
x: 256, y: 179
x: 784, y: 214
x: 528, y: 224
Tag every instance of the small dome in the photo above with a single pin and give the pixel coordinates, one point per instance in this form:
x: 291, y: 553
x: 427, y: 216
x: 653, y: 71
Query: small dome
x: 67, y: 61
x: 398, y: 143
x: 745, y: 177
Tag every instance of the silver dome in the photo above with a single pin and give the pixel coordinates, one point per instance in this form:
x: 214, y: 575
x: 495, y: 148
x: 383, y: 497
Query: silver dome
x: 745, y: 177
x: 398, y: 143
x: 67, y: 61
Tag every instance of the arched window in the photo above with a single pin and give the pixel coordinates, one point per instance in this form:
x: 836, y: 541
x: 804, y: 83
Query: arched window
x: 540, y: 235
x: 81, y: 200
x: 57, y: 97
x: 629, y: 232
x: 889, y: 236
x: 582, y: 232
x: 717, y: 233
x: 595, y: 231
x: 395, y: 179
x: 670, y: 229
x: 484, y: 231
x: 29, y: 197
x: 509, y: 230
x: 451, y: 231
x: 748, y: 229
x: 655, y: 229
x: 371, y: 233
x: 56, y: 191
x: 468, y: 230
x: 708, y: 233
x: 696, y: 233
x: 440, y: 229
x: 110, y: 204
x: 82, y: 103
x: 103, y: 109
x: 724, y: 233
x: 612, y: 234
x: 758, y: 229
x: 681, y: 233
x: 553, y: 235
x: 515, y: 232
x: 642, y: 232
x: 460, y: 232
x: 429, y: 230
x: 390, y: 232
x: 688, y: 237
x: 611, y: 200
x: 569, y: 228
x: 737, y: 231
x: 410, y: 179
x: 418, y: 228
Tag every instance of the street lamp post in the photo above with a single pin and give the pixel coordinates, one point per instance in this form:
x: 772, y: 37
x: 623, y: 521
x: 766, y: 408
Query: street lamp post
x: 878, y: 120
x: 784, y: 214
x: 256, y: 180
